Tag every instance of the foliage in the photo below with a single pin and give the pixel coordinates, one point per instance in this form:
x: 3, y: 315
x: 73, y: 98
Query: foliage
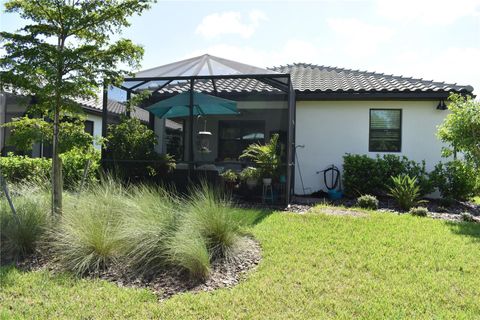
x: 131, y: 146
x: 388, y: 264
x: 249, y: 173
x: 86, y: 237
x: 20, y: 237
x: 147, y: 228
x: 229, y: 175
x: 208, y: 211
x: 65, y: 52
x: 461, y: 128
x: 26, y: 131
x: 74, y: 164
x: 266, y: 156
x: 365, y: 175
x: 455, y: 180
x: 25, y: 169
x: 405, y: 191
x: 367, y: 202
x: 419, y: 211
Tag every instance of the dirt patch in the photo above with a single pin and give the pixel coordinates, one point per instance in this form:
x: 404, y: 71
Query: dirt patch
x: 342, y: 212
x: 225, y: 273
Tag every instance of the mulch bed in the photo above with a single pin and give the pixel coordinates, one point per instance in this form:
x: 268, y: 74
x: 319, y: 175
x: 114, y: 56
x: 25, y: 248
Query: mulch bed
x: 434, y: 206
x: 225, y: 273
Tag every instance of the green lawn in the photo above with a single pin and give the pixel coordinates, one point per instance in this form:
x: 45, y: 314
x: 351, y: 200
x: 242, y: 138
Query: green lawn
x: 314, y: 266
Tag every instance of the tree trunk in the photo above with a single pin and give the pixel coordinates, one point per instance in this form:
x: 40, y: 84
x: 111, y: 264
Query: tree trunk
x: 57, y: 181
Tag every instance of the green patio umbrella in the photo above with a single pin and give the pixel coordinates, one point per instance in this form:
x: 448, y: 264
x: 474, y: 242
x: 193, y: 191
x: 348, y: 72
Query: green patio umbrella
x: 191, y: 104
x: 203, y: 104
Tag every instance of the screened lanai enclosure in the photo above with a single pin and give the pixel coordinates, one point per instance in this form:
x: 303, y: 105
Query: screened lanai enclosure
x: 207, y: 110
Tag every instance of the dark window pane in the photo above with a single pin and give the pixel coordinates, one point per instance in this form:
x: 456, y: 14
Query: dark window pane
x: 174, y: 138
x: 385, y: 130
x: 235, y: 136
x: 89, y: 127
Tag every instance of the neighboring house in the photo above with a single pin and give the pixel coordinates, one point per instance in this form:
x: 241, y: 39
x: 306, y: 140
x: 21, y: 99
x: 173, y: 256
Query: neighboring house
x: 336, y: 111
x: 13, y: 106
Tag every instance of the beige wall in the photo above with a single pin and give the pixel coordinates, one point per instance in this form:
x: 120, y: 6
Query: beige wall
x: 330, y: 129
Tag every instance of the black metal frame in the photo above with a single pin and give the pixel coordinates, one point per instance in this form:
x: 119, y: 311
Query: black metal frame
x: 370, y: 129
x: 271, y: 79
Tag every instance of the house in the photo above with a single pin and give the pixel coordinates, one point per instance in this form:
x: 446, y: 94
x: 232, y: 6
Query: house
x: 14, y: 105
x: 321, y: 113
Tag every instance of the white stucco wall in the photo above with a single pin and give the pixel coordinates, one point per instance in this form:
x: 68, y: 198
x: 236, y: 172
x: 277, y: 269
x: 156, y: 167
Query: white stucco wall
x: 330, y: 129
x: 97, y: 128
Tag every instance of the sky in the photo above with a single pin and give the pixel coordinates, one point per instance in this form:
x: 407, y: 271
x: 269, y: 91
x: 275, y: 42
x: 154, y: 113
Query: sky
x: 430, y: 39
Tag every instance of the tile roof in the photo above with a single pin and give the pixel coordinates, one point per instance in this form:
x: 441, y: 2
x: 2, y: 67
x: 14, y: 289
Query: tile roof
x: 315, y: 78
x: 311, y: 78
x: 95, y: 104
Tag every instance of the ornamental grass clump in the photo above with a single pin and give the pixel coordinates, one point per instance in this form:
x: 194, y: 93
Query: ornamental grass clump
x: 209, y: 212
x: 20, y: 234
x: 86, y: 237
x: 147, y: 228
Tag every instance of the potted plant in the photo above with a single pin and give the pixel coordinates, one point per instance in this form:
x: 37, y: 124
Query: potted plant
x: 250, y: 176
x: 230, y: 177
x: 266, y: 158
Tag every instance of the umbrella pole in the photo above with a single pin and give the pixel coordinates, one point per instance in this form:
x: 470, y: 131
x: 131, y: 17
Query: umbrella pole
x: 191, y: 157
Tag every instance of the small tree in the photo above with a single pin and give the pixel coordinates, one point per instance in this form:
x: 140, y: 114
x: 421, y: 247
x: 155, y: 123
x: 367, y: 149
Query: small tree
x: 65, y: 52
x: 461, y: 128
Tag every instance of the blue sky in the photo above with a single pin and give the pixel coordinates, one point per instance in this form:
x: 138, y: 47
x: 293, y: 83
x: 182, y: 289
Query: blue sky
x: 429, y: 39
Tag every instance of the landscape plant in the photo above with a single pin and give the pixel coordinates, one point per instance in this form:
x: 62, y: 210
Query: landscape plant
x: 405, y: 191
x: 367, y: 202
x: 21, y: 233
x: 365, y: 175
x: 456, y: 180
x: 419, y: 211
x: 266, y: 156
x: 64, y: 52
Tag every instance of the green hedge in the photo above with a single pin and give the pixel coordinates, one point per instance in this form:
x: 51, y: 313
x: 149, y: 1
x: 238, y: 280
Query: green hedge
x: 365, y: 175
x: 24, y: 169
x: 456, y: 180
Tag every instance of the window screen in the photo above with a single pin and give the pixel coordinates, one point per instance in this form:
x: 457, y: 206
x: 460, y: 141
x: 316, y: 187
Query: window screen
x: 385, y: 130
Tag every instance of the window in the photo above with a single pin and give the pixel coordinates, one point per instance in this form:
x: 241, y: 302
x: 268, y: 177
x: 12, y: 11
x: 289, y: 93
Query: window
x: 385, y: 130
x: 235, y: 136
x: 174, y: 138
x: 89, y: 127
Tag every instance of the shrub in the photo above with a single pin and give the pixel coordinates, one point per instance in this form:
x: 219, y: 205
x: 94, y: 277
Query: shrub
x: 86, y: 237
x: 74, y: 164
x: 21, y: 169
x: 365, y: 175
x: 467, y: 217
x: 147, y: 228
x: 367, y: 202
x: 131, y: 141
x: 419, y: 211
x: 249, y: 173
x: 455, y: 180
x: 19, y: 237
x: 405, y: 191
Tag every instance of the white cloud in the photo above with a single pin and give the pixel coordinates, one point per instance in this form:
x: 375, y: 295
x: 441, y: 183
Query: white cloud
x: 230, y: 22
x: 429, y: 12
x: 358, y: 37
